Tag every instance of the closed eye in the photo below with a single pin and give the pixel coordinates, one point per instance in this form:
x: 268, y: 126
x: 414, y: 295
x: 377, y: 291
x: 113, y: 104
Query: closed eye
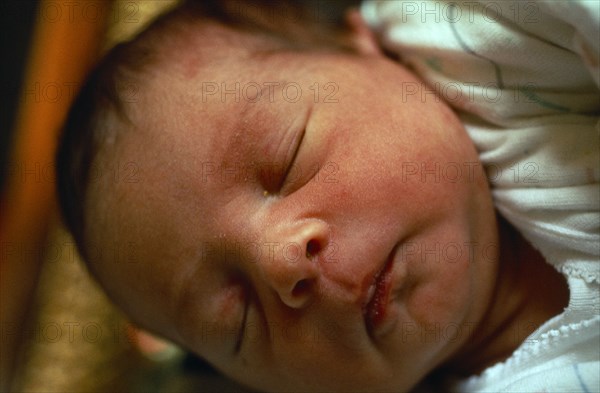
x: 242, y: 331
x: 291, y: 165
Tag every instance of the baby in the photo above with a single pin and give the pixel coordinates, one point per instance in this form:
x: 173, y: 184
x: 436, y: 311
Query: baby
x: 266, y: 193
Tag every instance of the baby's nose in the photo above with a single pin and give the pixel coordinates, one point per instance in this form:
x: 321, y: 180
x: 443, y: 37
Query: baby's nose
x: 292, y: 267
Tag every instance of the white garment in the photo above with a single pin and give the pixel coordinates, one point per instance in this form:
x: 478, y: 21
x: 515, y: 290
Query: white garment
x: 524, y: 79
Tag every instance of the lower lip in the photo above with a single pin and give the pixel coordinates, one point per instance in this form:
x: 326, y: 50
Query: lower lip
x: 379, y: 317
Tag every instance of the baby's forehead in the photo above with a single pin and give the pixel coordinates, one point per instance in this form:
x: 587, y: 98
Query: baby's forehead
x: 208, y: 47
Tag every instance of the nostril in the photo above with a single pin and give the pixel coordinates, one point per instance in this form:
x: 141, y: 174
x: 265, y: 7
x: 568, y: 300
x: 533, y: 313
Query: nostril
x: 301, y: 288
x: 312, y: 248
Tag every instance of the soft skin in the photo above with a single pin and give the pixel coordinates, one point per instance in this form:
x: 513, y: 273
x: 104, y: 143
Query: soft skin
x: 217, y: 245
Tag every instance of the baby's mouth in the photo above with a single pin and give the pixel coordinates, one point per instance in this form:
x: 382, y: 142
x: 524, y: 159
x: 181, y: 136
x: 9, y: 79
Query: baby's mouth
x: 378, y: 295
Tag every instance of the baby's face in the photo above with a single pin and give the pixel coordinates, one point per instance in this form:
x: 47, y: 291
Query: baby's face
x: 327, y: 235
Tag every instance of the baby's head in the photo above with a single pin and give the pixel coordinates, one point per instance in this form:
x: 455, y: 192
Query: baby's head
x: 278, y: 204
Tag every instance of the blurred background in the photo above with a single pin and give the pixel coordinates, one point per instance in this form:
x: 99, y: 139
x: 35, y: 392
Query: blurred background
x: 58, y: 331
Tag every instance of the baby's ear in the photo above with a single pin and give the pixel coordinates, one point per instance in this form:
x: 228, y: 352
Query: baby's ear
x: 360, y: 36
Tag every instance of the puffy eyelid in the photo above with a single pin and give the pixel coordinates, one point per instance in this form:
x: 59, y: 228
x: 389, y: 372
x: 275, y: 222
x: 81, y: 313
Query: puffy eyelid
x: 242, y: 331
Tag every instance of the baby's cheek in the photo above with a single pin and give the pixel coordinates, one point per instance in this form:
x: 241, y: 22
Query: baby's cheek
x: 444, y: 296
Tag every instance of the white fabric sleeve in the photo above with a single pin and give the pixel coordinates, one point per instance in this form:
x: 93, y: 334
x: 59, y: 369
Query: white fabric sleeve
x: 523, y: 77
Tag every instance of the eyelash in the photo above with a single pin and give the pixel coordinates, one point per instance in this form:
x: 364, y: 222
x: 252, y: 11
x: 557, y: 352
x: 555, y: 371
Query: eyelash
x: 242, y: 332
x: 293, y: 160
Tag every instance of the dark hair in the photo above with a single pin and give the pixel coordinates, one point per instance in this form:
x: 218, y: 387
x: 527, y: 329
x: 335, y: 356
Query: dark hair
x: 104, y: 91
x: 79, y: 141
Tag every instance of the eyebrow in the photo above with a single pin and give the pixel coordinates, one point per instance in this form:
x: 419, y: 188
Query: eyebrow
x: 252, y: 115
x: 238, y: 137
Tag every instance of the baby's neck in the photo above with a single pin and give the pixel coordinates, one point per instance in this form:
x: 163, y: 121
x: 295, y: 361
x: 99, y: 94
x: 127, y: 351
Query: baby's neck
x: 528, y: 293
